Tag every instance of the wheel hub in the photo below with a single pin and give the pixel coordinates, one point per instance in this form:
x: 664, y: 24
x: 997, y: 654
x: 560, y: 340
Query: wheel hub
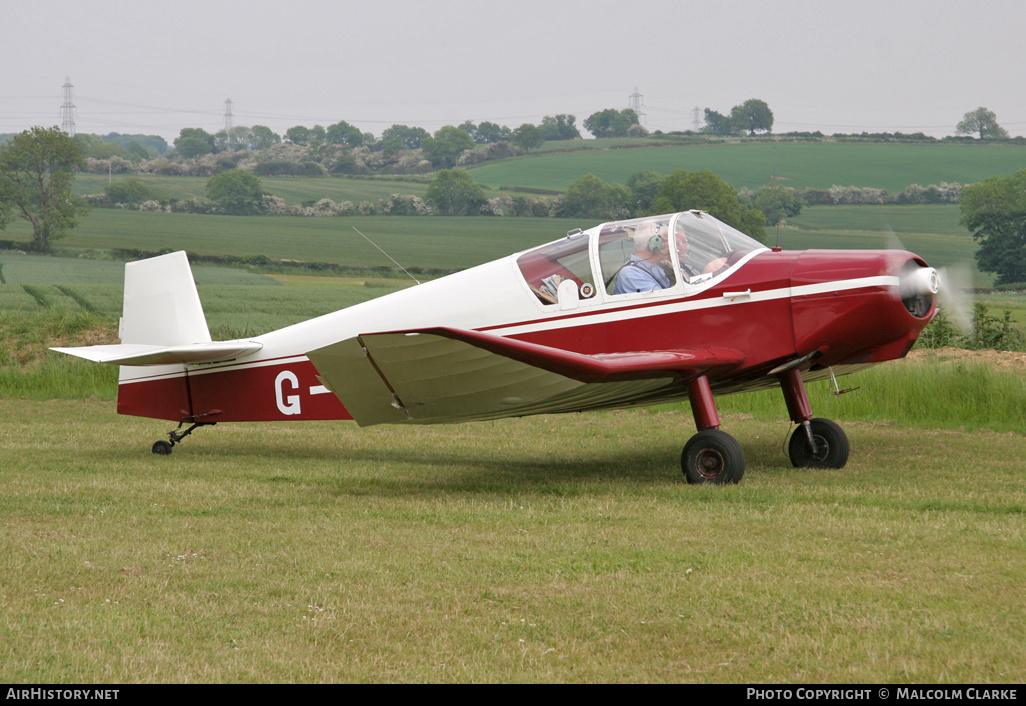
x: 709, y: 463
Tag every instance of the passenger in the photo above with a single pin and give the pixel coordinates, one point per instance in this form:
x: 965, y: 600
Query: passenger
x: 643, y: 272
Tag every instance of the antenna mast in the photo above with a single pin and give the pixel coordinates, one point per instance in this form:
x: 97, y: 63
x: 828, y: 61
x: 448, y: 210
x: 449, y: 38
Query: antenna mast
x: 68, y: 109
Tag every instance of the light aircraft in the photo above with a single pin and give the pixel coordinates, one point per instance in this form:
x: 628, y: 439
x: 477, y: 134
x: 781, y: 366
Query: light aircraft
x: 564, y: 327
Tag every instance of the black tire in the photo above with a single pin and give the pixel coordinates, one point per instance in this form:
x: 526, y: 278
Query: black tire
x: 831, y: 446
x: 162, y: 448
x: 713, y: 456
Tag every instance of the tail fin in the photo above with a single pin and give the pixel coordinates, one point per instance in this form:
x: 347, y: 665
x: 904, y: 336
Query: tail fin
x: 162, y: 306
x: 162, y: 320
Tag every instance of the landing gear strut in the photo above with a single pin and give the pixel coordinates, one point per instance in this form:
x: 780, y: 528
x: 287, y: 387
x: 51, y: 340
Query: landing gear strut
x: 714, y: 456
x: 164, y: 448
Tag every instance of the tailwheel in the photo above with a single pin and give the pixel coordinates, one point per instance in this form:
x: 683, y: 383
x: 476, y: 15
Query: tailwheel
x: 818, y: 443
x: 713, y: 456
x: 164, y: 448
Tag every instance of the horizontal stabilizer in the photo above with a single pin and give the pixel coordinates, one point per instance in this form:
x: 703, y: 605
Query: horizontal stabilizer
x: 141, y: 354
x: 440, y: 374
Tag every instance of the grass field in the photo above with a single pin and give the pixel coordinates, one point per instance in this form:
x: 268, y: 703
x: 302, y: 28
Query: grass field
x: 547, y: 549
x: 799, y: 165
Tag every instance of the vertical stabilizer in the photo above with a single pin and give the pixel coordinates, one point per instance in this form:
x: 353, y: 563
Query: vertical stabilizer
x: 162, y: 306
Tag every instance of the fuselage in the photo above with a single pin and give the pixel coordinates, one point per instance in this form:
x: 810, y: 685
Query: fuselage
x: 843, y: 307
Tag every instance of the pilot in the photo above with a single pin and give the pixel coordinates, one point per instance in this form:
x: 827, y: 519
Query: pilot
x: 680, y: 242
x: 690, y: 274
x: 643, y: 272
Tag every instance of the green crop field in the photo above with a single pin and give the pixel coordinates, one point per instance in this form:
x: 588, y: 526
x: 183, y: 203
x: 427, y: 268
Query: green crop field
x: 932, y: 232
x: 41, y: 269
x: 295, y: 190
x: 800, y: 165
x: 448, y: 243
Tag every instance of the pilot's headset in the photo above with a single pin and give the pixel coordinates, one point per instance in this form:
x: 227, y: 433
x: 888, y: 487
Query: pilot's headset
x: 656, y: 244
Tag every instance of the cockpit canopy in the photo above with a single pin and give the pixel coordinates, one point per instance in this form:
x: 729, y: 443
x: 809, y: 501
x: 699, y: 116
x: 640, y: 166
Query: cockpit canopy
x: 679, y: 252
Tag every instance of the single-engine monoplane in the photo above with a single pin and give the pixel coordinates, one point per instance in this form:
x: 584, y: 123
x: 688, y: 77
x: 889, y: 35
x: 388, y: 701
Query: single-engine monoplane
x: 625, y: 314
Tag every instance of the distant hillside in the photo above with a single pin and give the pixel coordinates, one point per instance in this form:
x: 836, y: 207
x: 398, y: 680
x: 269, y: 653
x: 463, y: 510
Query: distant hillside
x: 800, y: 165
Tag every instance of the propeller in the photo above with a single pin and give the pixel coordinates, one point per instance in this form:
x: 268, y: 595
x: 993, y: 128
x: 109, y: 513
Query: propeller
x: 951, y: 285
x: 955, y: 297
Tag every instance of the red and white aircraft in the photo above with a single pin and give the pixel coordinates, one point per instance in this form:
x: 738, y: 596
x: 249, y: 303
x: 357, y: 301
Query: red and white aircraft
x: 625, y: 314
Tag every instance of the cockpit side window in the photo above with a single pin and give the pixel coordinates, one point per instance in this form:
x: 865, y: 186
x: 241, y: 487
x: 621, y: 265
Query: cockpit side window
x: 547, y: 267
x: 636, y: 256
x: 706, y: 246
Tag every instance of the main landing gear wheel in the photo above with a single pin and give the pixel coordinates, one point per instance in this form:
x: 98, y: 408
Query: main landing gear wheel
x: 831, y: 446
x: 713, y: 456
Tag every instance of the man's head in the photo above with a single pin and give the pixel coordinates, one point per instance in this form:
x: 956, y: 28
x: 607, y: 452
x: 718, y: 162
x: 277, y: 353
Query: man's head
x: 650, y: 241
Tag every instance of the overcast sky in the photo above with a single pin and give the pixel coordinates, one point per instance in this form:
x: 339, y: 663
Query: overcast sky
x: 155, y: 67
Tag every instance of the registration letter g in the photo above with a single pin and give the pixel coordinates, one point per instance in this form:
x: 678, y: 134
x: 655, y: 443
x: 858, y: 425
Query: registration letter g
x: 290, y: 404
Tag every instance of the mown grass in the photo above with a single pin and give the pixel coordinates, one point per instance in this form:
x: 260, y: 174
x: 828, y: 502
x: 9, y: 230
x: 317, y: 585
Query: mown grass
x: 547, y: 549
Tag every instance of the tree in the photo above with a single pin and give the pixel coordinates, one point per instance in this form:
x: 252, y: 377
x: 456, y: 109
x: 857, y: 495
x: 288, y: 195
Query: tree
x: 488, y: 133
x: 262, y: 137
x: 644, y: 186
x: 981, y: 122
x: 237, y: 191
x: 130, y: 192
x: 342, y: 133
x: 37, y: 168
x: 402, y: 137
x: 453, y: 192
x: 298, y: 135
x: 560, y: 127
x: 446, y: 146
x: 305, y: 136
x: 777, y: 202
x: 717, y: 123
x: 194, y: 142
x: 994, y: 211
x: 528, y: 137
x: 611, y: 122
x: 591, y: 197
x: 752, y: 116
x: 705, y: 190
